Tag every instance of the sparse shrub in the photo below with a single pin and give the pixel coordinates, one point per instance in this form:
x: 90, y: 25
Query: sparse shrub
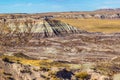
x: 82, y: 75
x: 52, y: 74
x: 8, y: 74
x: 26, y: 71
x: 22, y: 55
x: 7, y: 60
x: 36, y: 70
x: 10, y: 78
x: 45, y: 77
x: 45, y: 69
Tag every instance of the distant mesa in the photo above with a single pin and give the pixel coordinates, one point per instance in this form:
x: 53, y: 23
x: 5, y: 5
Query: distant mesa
x: 107, y: 13
x: 109, y: 9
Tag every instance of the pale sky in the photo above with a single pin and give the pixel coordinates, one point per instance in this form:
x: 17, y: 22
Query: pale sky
x: 39, y: 6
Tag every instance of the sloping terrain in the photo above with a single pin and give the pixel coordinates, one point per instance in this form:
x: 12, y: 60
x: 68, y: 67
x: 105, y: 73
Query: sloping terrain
x: 48, y: 49
x: 77, y: 53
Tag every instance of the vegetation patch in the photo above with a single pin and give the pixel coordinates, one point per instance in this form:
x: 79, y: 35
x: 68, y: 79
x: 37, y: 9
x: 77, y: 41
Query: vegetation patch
x: 82, y: 75
x: 21, y: 55
x: 95, y: 25
x: 108, y: 68
x: 41, y: 63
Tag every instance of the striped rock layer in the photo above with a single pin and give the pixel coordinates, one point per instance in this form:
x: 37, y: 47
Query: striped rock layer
x: 42, y: 28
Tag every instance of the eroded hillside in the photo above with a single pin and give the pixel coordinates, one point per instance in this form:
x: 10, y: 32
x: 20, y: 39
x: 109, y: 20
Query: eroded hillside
x: 48, y: 49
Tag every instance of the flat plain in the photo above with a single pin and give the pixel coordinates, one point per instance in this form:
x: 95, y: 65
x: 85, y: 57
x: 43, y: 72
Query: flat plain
x: 95, y: 25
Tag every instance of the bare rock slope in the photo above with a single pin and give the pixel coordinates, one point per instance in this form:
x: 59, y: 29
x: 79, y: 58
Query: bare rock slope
x: 38, y: 49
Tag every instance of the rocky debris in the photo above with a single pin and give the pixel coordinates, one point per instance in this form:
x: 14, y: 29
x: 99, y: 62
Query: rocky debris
x: 18, y: 71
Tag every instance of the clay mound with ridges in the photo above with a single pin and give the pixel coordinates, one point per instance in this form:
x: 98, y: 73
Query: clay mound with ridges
x: 43, y: 28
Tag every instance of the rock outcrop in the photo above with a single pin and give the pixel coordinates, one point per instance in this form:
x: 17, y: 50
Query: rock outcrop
x: 39, y: 28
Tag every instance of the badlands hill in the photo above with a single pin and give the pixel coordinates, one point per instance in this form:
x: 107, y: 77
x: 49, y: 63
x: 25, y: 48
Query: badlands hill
x: 41, y: 47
